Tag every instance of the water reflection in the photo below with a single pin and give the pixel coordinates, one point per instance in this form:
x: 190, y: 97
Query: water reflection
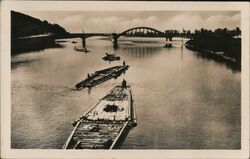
x: 168, y: 45
x: 181, y: 52
x: 141, y: 52
x: 210, y: 57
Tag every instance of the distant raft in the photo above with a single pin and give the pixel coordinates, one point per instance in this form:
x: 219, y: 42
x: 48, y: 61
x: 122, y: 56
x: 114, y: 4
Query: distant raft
x: 101, y: 76
x: 81, y: 49
x: 111, y: 57
x: 106, y: 125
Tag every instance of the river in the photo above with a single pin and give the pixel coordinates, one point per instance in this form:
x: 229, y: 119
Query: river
x: 183, y: 100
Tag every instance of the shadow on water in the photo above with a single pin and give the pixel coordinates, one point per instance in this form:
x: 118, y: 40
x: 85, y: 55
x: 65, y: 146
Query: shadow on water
x: 123, y: 137
x: 15, y: 64
x: 19, y: 46
x: 89, y: 91
x: 167, y: 45
x: 235, y: 67
x: 85, y: 90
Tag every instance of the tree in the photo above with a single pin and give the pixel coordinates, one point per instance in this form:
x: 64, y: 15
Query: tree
x: 238, y: 31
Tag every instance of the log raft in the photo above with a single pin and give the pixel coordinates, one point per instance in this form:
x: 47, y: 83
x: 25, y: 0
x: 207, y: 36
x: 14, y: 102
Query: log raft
x: 105, y: 125
x: 101, y: 76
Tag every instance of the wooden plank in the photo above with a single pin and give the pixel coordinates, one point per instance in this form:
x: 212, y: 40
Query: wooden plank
x: 118, y: 136
x: 92, y: 133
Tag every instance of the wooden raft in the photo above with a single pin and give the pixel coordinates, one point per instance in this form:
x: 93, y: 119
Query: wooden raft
x: 105, y: 124
x: 101, y: 76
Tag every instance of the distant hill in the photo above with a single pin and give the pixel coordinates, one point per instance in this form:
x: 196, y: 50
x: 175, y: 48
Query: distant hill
x: 24, y: 25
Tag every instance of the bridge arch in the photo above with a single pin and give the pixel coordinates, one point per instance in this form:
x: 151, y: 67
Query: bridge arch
x: 142, y: 32
x: 132, y: 32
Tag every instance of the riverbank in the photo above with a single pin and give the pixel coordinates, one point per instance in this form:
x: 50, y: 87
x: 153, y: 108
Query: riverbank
x: 32, y: 34
x: 223, y: 49
x: 32, y: 44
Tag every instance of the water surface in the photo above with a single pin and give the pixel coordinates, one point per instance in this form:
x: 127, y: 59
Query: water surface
x: 183, y: 100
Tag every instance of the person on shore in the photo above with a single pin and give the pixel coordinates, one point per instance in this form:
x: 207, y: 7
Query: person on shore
x: 124, y: 63
x: 124, y: 83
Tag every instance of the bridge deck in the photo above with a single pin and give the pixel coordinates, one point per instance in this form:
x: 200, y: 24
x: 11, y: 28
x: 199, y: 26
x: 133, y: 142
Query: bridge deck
x: 133, y: 32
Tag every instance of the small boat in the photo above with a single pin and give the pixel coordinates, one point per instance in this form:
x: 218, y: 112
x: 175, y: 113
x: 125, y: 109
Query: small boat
x: 73, y: 42
x: 105, y: 125
x: 111, y: 57
x: 81, y: 49
x: 101, y: 76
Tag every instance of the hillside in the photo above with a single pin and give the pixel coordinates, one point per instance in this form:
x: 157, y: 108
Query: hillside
x: 26, y: 26
x: 23, y: 25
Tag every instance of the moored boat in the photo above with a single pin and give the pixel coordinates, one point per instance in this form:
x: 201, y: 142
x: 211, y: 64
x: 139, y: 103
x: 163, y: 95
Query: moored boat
x: 81, y: 49
x: 105, y: 125
x: 101, y: 76
x: 111, y: 57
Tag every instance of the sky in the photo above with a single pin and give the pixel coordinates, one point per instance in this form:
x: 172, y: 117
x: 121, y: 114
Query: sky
x: 118, y: 21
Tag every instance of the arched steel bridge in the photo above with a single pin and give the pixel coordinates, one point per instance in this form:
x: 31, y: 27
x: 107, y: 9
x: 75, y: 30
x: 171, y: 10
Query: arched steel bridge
x: 132, y: 32
x: 142, y: 32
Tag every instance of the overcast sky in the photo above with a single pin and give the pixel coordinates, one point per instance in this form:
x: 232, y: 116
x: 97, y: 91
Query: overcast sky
x: 110, y: 21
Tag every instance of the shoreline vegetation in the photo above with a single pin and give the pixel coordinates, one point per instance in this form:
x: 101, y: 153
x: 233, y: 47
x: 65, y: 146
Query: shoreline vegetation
x: 222, y: 45
x: 31, y: 34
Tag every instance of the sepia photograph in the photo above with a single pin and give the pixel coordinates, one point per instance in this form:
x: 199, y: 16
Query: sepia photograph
x: 127, y: 79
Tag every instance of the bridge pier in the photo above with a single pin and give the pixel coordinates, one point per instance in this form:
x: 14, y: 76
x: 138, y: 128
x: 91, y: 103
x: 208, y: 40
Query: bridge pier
x: 115, y: 40
x: 83, y: 42
x: 83, y: 37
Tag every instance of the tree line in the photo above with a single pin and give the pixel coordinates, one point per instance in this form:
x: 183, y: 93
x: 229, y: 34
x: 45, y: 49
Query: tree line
x: 24, y: 25
x: 222, y: 32
x: 224, y: 40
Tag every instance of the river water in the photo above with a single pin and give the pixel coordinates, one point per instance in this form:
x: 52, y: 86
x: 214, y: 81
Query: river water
x: 183, y: 100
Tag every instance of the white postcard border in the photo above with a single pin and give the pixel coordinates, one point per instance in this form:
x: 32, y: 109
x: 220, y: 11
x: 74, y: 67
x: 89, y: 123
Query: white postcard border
x: 6, y: 6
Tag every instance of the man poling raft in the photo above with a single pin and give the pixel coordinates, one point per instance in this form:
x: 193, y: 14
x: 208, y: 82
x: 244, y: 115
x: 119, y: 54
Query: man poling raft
x: 124, y: 83
x: 102, y: 76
